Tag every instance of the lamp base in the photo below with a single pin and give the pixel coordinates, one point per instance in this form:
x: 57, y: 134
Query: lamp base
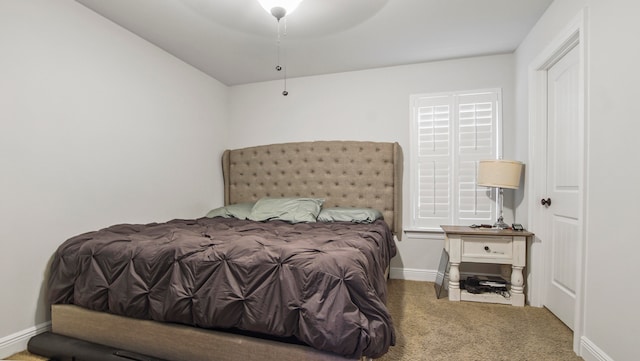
x: 500, y: 224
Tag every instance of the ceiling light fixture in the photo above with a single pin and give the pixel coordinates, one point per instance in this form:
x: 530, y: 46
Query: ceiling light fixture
x: 279, y: 9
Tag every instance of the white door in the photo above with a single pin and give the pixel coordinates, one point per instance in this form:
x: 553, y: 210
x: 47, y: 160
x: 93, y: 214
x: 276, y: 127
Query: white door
x: 564, y: 180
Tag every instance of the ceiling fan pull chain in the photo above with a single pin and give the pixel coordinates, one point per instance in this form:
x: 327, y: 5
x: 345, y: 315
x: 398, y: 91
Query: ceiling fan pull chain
x: 279, y: 49
x: 284, y: 56
x: 285, y: 26
x: 278, y: 67
x: 285, y: 92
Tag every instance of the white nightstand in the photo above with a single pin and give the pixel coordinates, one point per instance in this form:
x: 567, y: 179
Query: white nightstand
x: 486, y: 245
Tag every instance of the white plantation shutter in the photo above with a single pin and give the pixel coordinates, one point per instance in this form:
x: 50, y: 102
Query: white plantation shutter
x: 450, y: 134
x: 433, y: 117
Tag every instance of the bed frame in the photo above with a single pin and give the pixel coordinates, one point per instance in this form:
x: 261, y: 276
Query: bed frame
x: 344, y: 173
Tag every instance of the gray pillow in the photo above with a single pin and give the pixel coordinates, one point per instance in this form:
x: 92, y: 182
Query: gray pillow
x: 356, y: 215
x: 294, y: 210
x: 238, y: 210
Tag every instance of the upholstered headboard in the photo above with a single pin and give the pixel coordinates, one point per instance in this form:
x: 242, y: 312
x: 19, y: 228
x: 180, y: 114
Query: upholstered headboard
x: 343, y: 173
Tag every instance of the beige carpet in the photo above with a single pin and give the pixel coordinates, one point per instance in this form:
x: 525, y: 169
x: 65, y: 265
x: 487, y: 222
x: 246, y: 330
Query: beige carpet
x: 429, y: 329
x: 25, y: 356
x: 437, y: 329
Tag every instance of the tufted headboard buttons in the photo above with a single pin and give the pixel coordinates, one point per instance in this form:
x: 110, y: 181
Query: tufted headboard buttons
x: 343, y: 173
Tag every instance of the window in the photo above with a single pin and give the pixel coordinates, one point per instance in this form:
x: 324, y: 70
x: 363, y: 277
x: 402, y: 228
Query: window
x: 450, y: 133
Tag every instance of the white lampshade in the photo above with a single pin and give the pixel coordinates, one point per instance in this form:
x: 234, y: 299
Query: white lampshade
x: 288, y: 5
x: 499, y: 173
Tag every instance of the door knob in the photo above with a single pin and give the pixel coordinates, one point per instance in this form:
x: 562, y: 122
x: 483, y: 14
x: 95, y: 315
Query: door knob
x: 546, y: 202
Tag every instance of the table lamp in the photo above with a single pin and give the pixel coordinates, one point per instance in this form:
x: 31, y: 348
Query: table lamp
x: 499, y: 174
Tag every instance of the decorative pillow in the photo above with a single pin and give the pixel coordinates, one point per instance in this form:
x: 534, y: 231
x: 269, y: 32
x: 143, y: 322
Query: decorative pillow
x: 238, y: 210
x: 294, y: 210
x: 356, y: 215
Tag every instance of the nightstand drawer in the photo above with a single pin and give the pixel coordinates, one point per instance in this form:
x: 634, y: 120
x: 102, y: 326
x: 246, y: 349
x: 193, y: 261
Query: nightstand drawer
x: 489, y: 248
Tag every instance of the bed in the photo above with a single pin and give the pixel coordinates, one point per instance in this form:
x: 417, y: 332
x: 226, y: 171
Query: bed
x: 230, y: 288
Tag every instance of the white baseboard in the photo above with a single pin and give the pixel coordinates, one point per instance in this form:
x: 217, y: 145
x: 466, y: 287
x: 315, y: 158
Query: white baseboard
x: 413, y: 274
x: 590, y: 352
x: 18, y: 341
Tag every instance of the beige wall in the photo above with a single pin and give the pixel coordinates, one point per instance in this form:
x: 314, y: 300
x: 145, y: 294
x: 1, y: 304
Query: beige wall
x: 97, y: 127
x: 96, y: 123
x: 610, y: 319
x: 369, y: 105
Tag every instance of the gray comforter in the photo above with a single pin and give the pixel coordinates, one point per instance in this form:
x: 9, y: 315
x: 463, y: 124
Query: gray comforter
x: 322, y: 283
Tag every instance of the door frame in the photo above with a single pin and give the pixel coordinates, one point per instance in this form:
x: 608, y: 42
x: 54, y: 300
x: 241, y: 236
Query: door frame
x: 573, y: 36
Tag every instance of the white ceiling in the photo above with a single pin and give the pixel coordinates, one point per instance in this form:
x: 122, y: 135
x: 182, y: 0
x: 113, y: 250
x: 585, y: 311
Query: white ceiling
x: 235, y: 41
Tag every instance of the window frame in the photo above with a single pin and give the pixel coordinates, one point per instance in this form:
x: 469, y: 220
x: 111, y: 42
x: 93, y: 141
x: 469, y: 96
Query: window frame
x: 453, y: 217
